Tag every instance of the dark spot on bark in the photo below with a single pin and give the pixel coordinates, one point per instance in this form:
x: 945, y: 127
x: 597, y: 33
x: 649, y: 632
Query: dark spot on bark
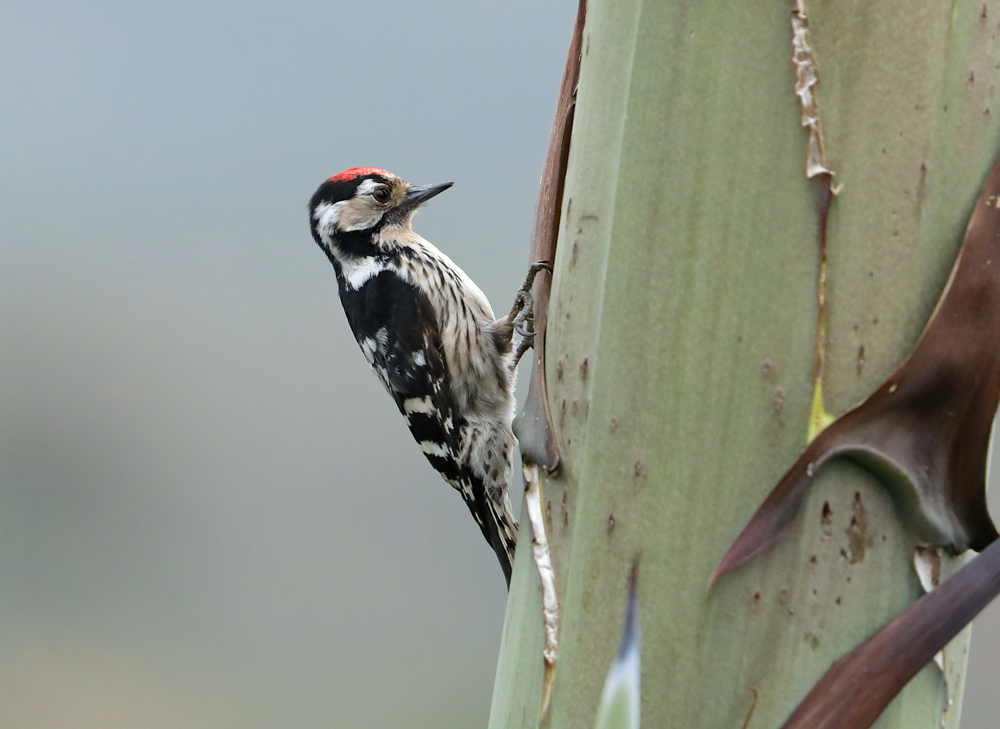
x: 559, y: 369
x: 613, y: 426
x: 565, y: 510
x: 548, y: 512
x: 778, y: 401
x: 766, y: 369
x: 838, y: 600
x: 972, y: 78
x: 572, y: 409
x: 813, y: 560
x: 857, y: 532
x: 638, y: 467
x: 826, y: 519
x: 575, y: 254
x: 611, y: 522
x: 755, y: 601
x: 861, y: 359
x: 562, y: 414
x: 584, y: 366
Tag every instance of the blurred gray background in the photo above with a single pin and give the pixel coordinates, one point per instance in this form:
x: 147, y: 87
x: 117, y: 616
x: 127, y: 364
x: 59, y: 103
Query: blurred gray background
x: 210, y: 513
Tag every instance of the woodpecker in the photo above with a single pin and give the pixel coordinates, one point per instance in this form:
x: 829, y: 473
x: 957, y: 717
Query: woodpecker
x: 430, y: 336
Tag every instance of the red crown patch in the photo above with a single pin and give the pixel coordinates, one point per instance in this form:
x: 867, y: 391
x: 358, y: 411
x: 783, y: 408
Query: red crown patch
x: 350, y: 174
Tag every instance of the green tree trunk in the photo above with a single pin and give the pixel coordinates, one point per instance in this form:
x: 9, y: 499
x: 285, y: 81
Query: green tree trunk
x: 682, y: 337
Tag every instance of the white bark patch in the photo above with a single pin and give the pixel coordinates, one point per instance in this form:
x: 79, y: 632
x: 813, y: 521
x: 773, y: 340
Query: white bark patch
x: 927, y: 563
x: 806, y: 78
x: 546, y: 571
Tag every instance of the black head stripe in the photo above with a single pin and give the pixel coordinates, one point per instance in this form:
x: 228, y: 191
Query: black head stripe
x: 333, y: 191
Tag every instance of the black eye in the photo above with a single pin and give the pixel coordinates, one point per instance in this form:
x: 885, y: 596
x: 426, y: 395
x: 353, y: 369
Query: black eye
x: 382, y: 194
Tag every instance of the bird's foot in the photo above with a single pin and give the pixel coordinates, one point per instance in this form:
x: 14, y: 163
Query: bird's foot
x: 523, y: 312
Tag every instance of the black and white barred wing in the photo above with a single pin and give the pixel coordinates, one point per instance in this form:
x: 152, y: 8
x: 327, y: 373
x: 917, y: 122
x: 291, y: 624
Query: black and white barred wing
x: 395, y: 326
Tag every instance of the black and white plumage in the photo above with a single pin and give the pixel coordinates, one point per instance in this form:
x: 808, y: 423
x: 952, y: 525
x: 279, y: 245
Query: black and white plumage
x: 430, y: 335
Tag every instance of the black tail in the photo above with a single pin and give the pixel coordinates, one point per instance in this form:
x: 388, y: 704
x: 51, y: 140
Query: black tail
x: 497, y: 523
x: 503, y: 535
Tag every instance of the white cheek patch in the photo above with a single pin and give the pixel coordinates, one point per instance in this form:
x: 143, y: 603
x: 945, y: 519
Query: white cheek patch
x: 327, y: 217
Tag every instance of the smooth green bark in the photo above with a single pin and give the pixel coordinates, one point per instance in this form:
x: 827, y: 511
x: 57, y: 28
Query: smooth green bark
x: 682, y: 332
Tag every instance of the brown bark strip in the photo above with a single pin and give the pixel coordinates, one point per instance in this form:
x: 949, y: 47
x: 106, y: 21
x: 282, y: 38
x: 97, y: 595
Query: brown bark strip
x: 925, y: 432
x: 753, y: 705
x: 533, y: 425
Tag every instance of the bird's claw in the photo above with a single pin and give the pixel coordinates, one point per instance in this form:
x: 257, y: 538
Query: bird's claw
x: 523, y: 309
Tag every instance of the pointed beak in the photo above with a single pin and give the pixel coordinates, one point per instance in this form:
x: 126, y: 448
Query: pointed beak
x: 418, y: 195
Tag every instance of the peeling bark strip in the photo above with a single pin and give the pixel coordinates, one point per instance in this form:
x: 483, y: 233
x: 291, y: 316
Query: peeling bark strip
x: 925, y: 432
x: 533, y: 425
x: 806, y: 77
x: 547, y: 574
x: 806, y: 80
x: 858, y: 687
